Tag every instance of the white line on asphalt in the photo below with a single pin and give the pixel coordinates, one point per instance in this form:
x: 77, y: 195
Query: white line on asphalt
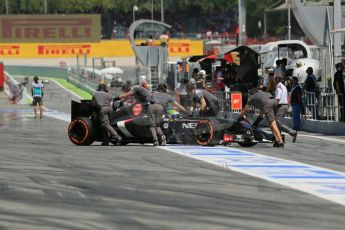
x: 81, y: 194
x: 322, y: 138
x: 67, y: 89
x: 60, y: 194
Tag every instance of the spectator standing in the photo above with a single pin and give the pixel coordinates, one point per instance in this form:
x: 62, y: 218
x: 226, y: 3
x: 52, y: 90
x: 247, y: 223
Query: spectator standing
x: 219, y: 79
x: 338, y: 85
x: 265, y: 79
x: 277, y: 65
x: 281, y: 96
x: 310, y: 86
x: 271, y: 86
x: 296, y: 103
x: 37, y: 94
x: 164, y: 38
x: 181, y: 92
x: 150, y: 41
x: 281, y: 69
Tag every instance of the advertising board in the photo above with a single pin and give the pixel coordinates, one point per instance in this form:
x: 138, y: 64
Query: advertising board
x: 50, y: 28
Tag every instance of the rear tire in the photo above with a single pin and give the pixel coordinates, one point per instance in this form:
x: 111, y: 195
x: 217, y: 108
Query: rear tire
x: 80, y: 131
x: 206, y: 132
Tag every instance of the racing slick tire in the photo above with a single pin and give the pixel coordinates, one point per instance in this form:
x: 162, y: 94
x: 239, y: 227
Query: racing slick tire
x: 80, y: 131
x: 207, y: 132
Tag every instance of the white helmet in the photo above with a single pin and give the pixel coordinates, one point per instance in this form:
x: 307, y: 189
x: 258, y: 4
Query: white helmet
x: 202, y: 73
x: 142, y: 78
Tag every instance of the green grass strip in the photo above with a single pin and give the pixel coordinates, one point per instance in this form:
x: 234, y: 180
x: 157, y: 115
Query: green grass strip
x: 82, y: 93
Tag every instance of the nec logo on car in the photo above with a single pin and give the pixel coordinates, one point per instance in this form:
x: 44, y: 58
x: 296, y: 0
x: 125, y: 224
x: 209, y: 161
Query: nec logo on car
x: 189, y: 125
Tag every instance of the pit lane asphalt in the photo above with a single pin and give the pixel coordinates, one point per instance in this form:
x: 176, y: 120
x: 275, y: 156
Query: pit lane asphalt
x: 48, y: 183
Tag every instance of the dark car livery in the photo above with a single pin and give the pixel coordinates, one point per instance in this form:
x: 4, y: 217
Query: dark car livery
x: 131, y: 122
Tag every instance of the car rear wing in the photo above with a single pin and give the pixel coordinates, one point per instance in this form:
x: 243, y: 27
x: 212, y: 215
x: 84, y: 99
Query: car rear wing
x: 81, y: 109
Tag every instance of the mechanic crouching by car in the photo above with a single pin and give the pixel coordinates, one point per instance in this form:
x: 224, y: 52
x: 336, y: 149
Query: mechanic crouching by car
x: 103, y: 100
x: 209, y: 104
x: 156, y: 110
x: 266, y: 103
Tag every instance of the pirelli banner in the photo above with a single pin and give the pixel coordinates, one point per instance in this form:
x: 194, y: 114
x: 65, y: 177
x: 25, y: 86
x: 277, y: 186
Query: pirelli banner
x: 106, y: 48
x: 50, y: 28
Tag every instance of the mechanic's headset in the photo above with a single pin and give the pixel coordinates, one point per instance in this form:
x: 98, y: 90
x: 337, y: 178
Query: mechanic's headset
x: 126, y: 88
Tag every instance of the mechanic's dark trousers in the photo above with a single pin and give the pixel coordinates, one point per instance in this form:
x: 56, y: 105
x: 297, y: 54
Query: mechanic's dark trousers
x: 105, y: 123
x: 281, y: 112
x: 155, y: 115
x: 341, y: 103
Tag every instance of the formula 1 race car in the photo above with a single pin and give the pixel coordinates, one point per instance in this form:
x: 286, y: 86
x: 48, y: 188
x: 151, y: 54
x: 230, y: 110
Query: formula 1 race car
x: 131, y: 122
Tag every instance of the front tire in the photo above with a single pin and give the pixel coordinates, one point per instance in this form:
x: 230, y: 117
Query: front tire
x: 80, y: 131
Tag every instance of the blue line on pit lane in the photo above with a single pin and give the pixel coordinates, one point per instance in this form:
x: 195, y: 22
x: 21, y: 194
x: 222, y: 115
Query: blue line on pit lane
x: 269, y: 166
x: 324, y: 183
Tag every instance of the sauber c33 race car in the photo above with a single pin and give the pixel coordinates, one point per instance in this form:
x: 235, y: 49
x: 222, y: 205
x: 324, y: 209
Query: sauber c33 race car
x: 132, y: 124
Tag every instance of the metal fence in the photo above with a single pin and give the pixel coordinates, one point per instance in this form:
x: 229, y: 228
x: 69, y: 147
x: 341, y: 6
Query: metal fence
x: 88, y: 75
x: 324, y: 107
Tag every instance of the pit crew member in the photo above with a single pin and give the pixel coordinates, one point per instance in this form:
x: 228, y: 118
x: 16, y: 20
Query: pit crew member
x: 156, y: 110
x: 103, y: 99
x: 266, y: 103
x: 209, y: 104
x: 141, y: 94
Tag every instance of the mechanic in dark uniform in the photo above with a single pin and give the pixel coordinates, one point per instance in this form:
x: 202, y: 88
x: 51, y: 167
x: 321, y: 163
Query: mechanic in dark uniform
x: 103, y: 100
x: 266, y: 103
x: 141, y: 94
x: 209, y: 103
x: 156, y: 110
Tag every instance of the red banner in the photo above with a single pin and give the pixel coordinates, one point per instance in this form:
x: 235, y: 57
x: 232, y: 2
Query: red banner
x: 236, y: 101
x: 2, y: 76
